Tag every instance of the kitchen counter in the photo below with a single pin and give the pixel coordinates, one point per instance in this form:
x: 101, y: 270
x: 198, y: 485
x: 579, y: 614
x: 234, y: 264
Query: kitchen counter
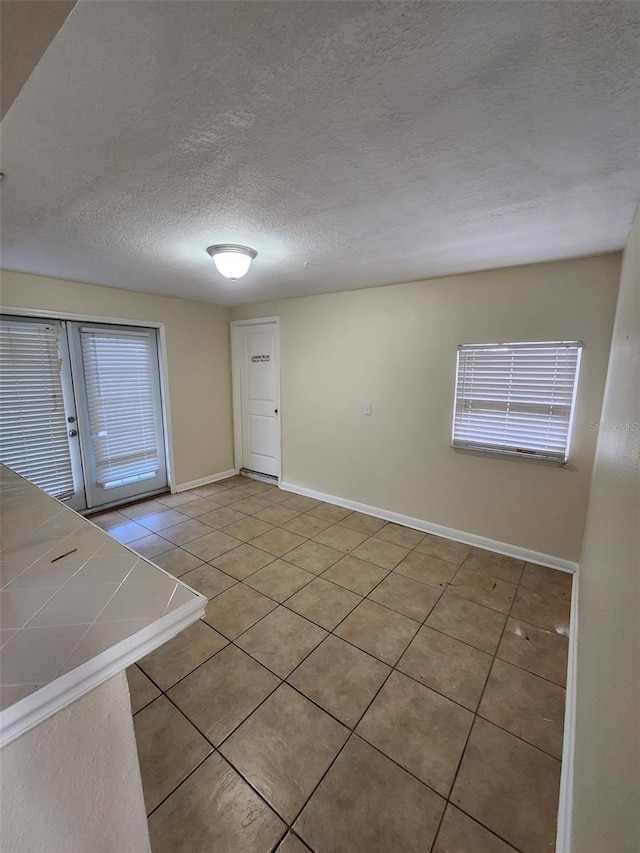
x: 77, y: 606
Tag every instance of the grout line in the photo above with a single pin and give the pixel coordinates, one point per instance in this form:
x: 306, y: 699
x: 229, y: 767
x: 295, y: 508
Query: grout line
x: 392, y: 669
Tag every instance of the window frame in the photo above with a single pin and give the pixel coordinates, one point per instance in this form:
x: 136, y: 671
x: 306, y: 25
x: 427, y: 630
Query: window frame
x: 524, y: 453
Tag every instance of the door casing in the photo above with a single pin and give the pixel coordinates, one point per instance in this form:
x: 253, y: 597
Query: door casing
x: 236, y: 362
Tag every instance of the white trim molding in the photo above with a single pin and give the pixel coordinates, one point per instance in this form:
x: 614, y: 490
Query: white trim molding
x: 205, y: 481
x: 438, y: 530
x: 565, y: 805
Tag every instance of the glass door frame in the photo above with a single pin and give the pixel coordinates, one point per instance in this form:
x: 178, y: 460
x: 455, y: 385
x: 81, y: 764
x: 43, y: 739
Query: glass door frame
x: 66, y: 316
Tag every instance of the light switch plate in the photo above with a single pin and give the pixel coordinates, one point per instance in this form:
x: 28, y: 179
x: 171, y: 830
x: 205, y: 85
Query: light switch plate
x: 366, y: 409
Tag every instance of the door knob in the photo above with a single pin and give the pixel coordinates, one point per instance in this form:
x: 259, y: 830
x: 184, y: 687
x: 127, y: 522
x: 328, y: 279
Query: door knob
x: 73, y: 433
x: 276, y: 411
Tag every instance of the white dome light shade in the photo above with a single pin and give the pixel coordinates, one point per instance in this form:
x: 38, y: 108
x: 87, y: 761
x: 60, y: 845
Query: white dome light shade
x: 232, y: 261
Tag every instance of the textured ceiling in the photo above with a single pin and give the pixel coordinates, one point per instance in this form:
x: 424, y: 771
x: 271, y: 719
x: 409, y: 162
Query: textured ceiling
x: 351, y: 144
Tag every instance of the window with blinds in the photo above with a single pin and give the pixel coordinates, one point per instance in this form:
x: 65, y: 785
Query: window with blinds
x: 33, y: 429
x: 516, y: 398
x: 120, y: 368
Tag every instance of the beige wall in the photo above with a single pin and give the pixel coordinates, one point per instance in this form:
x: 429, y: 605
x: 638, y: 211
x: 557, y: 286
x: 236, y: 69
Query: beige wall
x: 198, y: 358
x: 72, y: 784
x: 396, y: 347
x: 606, y: 778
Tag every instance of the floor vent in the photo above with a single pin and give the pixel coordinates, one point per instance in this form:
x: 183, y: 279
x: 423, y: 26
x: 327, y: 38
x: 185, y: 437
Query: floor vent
x: 256, y: 475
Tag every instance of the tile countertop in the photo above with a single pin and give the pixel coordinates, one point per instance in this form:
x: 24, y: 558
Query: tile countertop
x: 68, y: 623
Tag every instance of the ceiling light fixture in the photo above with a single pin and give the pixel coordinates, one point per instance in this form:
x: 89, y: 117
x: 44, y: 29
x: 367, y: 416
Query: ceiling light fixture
x: 232, y: 261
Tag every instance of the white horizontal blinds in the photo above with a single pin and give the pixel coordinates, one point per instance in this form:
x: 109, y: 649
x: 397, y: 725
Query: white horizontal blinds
x: 119, y: 371
x: 517, y: 397
x: 33, y: 428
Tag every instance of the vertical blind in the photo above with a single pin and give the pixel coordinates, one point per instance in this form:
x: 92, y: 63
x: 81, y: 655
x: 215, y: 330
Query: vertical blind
x: 119, y: 368
x: 516, y: 398
x: 33, y: 428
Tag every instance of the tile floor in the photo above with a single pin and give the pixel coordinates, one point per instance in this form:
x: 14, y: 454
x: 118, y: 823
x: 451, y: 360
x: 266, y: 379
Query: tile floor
x: 354, y: 687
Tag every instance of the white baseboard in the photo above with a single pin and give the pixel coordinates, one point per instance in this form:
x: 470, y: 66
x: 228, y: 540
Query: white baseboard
x: 438, y: 530
x: 204, y: 481
x: 565, y: 804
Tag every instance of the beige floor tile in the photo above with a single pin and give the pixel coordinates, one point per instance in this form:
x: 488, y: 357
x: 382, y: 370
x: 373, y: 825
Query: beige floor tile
x: 380, y: 553
x: 284, y: 748
x: 329, y: 512
x: 314, y: 557
x: 177, y: 561
x: 184, y: 532
x: 236, y: 609
x: 277, y: 542
x: 542, y: 652
x: 276, y: 496
x: 398, y: 534
x: 209, y: 491
x: 427, y: 569
x: 107, y: 520
x: 175, y: 659
x: 301, y: 503
x: 409, y: 597
x: 340, y: 678
x: 150, y: 546
x: 510, y: 787
x: 443, y: 549
x: 228, y: 497
x: 469, y: 622
x: 254, y: 487
x: 243, y: 561
x: 214, y: 810
x: 251, y: 505
x: 208, y: 580
x: 340, y: 538
x: 129, y: 531
x: 137, y: 510
x: 461, y: 834
x: 378, y: 630
x: 529, y: 707
x: 481, y: 589
x: 419, y: 729
x: 222, y: 692
x: 363, y: 523
x: 279, y: 580
x: 157, y: 521
x: 247, y: 528
x: 495, y: 565
x: 545, y: 580
x: 355, y: 574
x: 212, y: 545
x: 367, y: 804
x: 292, y: 844
x: 447, y: 665
x: 198, y: 507
x: 542, y: 609
x: 169, y: 747
x: 221, y: 517
x: 175, y: 500
x: 277, y: 514
x: 281, y: 640
x: 306, y: 525
x: 324, y: 603
x: 141, y: 690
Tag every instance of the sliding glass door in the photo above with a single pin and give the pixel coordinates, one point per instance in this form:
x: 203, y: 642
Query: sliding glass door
x: 81, y: 410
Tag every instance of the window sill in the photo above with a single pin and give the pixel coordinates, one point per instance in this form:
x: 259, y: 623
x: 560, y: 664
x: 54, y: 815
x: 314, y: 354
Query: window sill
x: 508, y: 454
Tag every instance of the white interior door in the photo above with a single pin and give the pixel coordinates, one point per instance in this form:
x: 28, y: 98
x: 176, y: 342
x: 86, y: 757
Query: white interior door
x: 256, y: 371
